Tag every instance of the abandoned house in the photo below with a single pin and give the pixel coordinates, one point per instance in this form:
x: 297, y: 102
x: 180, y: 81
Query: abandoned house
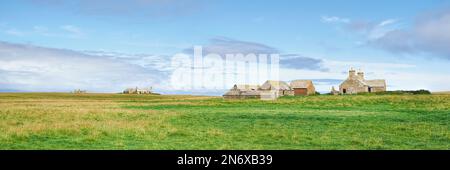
x: 243, y: 92
x: 303, y: 87
x: 280, y: 88
x: 356, y: 83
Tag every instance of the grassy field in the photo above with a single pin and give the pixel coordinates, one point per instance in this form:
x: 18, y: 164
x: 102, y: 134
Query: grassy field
x: 115, y: 121
x: 442, y: 92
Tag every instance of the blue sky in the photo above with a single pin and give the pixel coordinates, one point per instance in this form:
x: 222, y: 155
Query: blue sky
x: 406, y: 42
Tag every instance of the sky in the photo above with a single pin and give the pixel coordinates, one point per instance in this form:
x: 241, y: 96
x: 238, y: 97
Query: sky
x: 110, y: 45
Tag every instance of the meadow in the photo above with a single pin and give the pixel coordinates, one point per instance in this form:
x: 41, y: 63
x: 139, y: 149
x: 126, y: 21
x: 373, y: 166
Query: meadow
x: 118, y: 121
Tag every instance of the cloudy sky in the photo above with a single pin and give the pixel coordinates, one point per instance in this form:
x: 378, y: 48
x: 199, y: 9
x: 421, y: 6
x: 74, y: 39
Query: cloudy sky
x: 109, y: 45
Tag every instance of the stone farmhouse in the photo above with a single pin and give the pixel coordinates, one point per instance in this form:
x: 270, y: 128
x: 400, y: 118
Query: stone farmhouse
x: 356, y: 83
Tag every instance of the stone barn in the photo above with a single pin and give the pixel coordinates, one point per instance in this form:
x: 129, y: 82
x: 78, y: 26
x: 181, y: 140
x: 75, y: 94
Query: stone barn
x: 303, y: 87
x: 356, y: 83
x: 243, y: 92
x: 280, y: 88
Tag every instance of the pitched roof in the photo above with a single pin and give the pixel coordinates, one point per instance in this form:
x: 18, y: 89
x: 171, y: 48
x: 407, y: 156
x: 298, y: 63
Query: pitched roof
x: 376, y: 83
x: 243, y: 89
x: 247, y: 87
x: 275, y: 85
x: 232, y: 93
x: 301, y: 83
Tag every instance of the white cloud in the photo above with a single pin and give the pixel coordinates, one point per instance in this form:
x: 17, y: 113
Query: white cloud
x: 160, y: 63
x: 387, y: 22
x: 430, y: 34
x: 334, y: 19
x: 382, y: 28
x: 40, y: 29
x: 73, y: 31
x: 65, y: 31
x: 224, y: 45
x: 15, y: 32
x: 32, y: 68
x: 371, y: 30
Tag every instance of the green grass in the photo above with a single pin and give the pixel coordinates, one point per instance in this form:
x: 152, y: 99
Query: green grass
x: 115, y: 121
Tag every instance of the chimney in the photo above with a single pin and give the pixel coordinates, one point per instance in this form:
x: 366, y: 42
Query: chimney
x: 351, y: 73
x: 360, y: 74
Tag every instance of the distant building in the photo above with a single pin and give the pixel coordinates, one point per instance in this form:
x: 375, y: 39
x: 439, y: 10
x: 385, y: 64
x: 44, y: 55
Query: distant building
x: 138, y: 91
x: 79, y: 91
x: 356, y: 83
x: 303, y: 87
x: 280, y: 88
x: 243, y: 92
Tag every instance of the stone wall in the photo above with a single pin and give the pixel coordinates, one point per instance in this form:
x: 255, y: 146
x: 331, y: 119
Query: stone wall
x: 353, y: 86
x: 378, y: 89
x: 241, y: 96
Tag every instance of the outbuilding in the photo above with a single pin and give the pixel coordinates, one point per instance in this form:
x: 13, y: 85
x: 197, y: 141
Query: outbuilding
x: 243, y: 92
x: 303, y: 87
x: 281, y: 88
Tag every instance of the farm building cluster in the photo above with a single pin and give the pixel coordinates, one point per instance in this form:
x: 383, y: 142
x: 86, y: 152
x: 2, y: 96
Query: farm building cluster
x: 79, y: 91
x: 137, y: 90
x: 270, y: 90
